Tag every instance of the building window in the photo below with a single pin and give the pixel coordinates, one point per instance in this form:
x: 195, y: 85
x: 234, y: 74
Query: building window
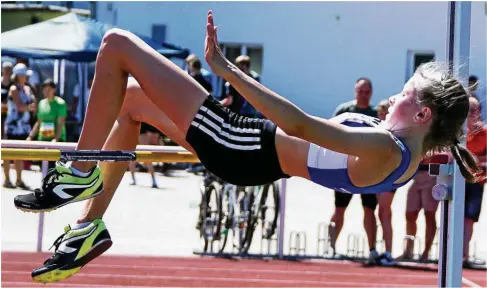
x: 416, y: 58
x: 159, y: 33
x: 232, y: 51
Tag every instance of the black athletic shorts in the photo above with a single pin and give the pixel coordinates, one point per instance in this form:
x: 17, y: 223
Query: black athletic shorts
x: 144, y: 128
x: 239, y: 150
x: 343, y: 199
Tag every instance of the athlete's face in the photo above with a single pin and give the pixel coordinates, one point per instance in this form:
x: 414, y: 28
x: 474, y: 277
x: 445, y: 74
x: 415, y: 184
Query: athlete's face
x: 405, y: 111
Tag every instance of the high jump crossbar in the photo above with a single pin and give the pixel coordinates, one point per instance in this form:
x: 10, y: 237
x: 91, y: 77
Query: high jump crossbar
x: 96, y: 155
x: 53, y: 151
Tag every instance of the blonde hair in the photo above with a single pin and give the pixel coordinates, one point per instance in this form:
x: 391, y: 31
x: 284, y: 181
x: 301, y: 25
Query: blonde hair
x: 448, y: 100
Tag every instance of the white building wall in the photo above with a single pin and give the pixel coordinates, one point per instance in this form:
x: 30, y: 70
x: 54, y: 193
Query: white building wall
x: 314, y: 51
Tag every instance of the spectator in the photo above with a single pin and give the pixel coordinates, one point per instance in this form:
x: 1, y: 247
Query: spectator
x: 194, y: 69
x: 149, y: 135
x: 233, y: 100
x: 33, y: 79
x: 420, y: 196
x: 51, y: 117
x: 361, y: 104
x: 205, y: 73
x: 76, y: 106
x: 473, y: 85
x: 385, y: 202
x: 6, y: 82
x: 476, y: 143
x: 21, y: 101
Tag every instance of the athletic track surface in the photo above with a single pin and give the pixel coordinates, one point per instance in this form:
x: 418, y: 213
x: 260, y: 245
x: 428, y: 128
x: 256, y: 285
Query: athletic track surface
x: 118, y: 271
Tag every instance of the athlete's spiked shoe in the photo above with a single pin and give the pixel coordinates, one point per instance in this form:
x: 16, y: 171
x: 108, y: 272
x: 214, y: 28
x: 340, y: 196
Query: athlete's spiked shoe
x: 74, y: 249
x: 61, y: 187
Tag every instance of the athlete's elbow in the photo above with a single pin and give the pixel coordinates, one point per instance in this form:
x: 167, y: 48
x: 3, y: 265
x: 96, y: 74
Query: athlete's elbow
x: 295, y: 129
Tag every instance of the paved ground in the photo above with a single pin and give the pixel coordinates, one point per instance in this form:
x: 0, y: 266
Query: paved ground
x: 146, y: 221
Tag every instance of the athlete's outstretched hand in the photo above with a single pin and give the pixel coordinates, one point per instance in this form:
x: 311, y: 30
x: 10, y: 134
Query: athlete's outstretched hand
x: 213, y: 54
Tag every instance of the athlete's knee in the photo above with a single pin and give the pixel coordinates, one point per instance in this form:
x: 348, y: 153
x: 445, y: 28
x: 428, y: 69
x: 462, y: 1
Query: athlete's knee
x: 130, y: 106
x: 116, y: 39
x: 126, y: 121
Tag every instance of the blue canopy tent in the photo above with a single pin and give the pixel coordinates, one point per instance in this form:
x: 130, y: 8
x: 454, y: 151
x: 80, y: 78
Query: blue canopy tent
x: 70, y: 37
x: 73, y: 38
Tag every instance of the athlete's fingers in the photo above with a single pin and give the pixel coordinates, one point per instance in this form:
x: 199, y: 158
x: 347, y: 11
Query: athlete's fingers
x: 215, y: 35
x: 210, y: 17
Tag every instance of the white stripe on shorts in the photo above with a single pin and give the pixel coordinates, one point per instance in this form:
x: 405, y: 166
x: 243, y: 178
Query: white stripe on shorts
x: 223, y: 142
x: 228, y: 126
x: 224, y: 133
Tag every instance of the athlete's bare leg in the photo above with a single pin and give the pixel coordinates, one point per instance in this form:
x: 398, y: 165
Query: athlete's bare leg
x: 125, y: 135
x: 171, y: 89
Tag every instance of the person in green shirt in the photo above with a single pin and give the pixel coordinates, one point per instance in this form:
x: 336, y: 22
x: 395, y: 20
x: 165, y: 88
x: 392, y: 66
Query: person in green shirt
x: 51, y: 116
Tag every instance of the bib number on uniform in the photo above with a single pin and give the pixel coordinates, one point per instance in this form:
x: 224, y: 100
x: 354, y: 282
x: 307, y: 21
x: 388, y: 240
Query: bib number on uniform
x: 47, y: 130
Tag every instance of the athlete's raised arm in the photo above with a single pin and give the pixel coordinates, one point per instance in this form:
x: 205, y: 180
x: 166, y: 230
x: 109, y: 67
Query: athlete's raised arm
x: 290, y: 118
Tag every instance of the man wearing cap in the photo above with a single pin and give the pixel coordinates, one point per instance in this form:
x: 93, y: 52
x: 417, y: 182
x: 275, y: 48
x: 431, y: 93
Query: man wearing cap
x: 20, y: 102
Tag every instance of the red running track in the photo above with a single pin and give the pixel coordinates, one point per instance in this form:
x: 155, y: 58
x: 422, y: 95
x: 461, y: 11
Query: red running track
x: 117, y: 271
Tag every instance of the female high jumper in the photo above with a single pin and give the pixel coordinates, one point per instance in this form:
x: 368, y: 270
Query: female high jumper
x: 351, y: 153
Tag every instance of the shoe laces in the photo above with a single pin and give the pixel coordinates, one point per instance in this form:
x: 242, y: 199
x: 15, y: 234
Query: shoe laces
x: 56, y: 244
x: 52, y: 175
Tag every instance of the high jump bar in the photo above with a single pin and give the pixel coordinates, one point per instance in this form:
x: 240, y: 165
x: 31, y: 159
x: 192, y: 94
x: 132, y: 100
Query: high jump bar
x: 72, y: 146
x: 53, y: 151
x: 96, y: 155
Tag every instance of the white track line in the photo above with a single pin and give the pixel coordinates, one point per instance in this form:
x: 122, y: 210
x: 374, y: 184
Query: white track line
x: 470, y: 283
x: 224, y: 279
x: 261, y: 271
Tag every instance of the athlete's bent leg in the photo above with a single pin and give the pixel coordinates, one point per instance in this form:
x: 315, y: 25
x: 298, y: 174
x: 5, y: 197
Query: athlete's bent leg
x: 166, y: 85
x: 90, y: 231
x: 124, y: 136
x: 136, y: 108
